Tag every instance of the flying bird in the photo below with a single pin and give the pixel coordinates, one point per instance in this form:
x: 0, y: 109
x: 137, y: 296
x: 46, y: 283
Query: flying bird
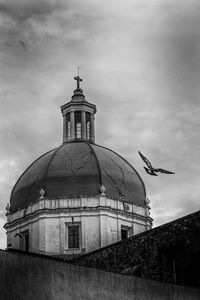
x: 151, y: 170
x: 23, y: 46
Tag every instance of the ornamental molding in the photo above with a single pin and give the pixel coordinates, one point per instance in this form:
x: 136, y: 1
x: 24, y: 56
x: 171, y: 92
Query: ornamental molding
x: 78, y: 205
x: 64, y: 215
x: 74, y: 106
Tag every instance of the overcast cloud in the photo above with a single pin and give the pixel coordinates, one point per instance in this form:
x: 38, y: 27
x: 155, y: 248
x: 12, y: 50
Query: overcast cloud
x: 140, y: 61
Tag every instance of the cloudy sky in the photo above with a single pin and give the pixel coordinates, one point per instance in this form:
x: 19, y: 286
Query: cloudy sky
x: 140, y: 61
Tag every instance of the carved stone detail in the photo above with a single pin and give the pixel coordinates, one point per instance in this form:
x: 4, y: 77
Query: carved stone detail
x: 42, y: 193
x: 102, y: 190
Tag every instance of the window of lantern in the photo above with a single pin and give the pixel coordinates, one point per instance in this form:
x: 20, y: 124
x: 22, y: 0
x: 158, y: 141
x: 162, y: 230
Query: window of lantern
x: 78, y: 124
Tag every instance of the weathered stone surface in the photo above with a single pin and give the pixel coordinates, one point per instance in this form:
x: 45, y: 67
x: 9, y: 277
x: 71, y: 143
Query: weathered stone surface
x: 26, y: 276
x: 169, y: 253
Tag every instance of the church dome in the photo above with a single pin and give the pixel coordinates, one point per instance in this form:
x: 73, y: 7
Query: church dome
x: 78, y: 168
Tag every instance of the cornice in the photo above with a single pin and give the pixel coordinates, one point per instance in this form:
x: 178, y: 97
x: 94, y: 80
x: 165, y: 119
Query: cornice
x: 78, y: 205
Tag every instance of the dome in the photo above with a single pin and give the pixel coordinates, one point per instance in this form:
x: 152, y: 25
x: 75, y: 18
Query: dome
x: 77, y: 169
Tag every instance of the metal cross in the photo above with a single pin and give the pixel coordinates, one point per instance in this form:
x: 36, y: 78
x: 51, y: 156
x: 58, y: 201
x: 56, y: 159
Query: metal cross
x: 78, y: 79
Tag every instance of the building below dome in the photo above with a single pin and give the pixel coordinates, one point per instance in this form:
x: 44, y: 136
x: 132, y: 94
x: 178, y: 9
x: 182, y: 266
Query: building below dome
x: 78, y: 197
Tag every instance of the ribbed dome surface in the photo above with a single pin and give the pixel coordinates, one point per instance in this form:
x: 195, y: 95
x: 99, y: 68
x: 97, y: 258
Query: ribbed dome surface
x: 78, y: 168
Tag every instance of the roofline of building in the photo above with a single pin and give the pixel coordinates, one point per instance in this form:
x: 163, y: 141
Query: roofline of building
x: 147, y: 232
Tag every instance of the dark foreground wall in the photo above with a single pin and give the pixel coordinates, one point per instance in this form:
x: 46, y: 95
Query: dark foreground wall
x: 30, y: 277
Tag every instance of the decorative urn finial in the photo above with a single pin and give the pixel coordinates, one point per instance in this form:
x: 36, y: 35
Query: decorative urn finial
x: 102, y: 190
x: 7, y: 209
x: 42, y: 193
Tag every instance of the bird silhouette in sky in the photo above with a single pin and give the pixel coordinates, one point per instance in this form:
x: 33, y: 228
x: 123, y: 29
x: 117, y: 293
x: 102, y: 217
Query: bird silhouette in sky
x: 22, y: 43
x: 151, y: 170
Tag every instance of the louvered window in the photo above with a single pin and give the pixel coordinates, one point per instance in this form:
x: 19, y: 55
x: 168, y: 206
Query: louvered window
x: 73, y: 236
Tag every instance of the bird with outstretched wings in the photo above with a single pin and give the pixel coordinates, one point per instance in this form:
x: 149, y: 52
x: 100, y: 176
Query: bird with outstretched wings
x: 151, y: 170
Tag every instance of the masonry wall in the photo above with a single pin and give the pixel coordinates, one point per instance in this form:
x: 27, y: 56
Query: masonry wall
x: 169, y: 253
x: 29, y: 277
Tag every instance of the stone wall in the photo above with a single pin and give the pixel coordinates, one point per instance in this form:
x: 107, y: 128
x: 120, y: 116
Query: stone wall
x: 169, y: 253
x: 26, y: 276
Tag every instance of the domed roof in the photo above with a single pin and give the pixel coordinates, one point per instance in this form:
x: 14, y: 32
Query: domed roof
x: 78, y: 168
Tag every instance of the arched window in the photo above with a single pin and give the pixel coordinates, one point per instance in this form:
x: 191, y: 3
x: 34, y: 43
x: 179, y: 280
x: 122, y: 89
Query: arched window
x: 78, y: 124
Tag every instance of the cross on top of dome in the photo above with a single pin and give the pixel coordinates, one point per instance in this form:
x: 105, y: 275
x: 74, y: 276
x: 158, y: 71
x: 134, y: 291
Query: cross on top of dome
x: 78, y: 80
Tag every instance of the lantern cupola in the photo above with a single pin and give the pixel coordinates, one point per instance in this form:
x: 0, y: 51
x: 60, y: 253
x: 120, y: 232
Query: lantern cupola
x: 78, y: 117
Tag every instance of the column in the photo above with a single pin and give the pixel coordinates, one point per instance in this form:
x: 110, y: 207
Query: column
x: 64, y: 128
x: 83, y: 125
x: 92, y: 127
x: 72, y: 125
